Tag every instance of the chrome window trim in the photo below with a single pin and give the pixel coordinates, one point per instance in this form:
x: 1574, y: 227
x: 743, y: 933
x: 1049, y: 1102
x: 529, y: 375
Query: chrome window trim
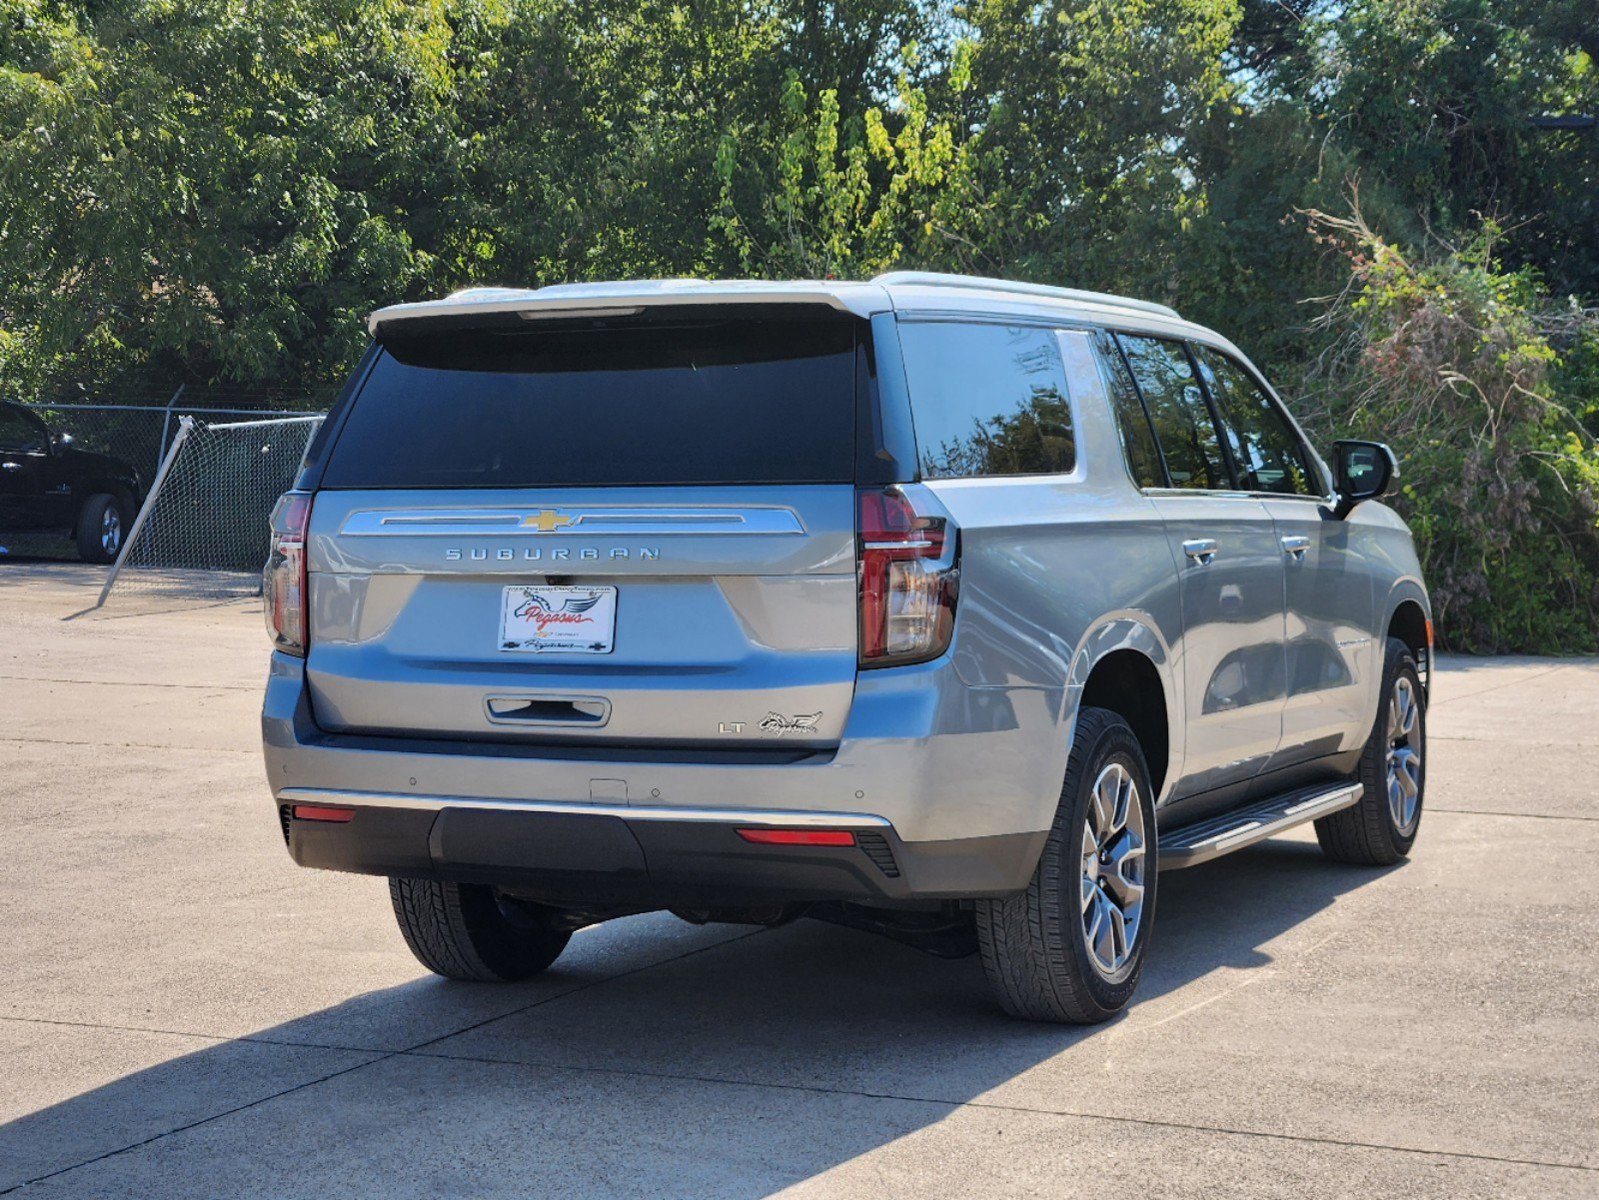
x: 955, y: 316
x: 1213, y: 493
x: 1220, y: 494
x: 644, y: 812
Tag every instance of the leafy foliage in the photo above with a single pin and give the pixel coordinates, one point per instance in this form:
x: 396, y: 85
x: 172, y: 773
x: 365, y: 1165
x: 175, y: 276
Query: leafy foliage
x: 1459, y: 364
x: 218, y: 191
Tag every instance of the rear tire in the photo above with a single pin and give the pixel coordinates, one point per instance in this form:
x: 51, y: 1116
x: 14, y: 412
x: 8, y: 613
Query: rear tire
x: 470, y: 932
x: 1092, y: 896
x: 1380, y: 829
x: 102, y: 524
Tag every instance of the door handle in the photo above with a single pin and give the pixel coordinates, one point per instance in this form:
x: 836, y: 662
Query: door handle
x: 1200, y: 550
x: 11, y: 466
x: 1295, y: 546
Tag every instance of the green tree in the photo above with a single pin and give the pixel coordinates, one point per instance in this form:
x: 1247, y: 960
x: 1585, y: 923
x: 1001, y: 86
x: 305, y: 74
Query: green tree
x: 202, y: 190
x: 1464, y: 366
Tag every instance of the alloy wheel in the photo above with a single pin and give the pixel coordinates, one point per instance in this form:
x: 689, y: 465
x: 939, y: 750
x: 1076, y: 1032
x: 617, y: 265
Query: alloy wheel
x: 1404, y: 755
x: 1113, y: 863
x: 111, y: 530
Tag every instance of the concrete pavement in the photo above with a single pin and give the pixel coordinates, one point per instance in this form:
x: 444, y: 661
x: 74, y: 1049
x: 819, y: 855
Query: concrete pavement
x: 184, y: 1012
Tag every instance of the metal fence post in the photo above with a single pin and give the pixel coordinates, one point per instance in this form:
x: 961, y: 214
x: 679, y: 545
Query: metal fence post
x: 185, y: 427
x: 166, y: 423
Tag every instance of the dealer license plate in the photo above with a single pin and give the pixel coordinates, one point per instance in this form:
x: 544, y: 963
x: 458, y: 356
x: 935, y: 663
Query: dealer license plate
x: 557, y: 620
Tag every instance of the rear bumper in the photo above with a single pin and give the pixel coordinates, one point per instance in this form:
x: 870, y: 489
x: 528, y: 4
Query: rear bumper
x: 665, y: 858
x: 955, y: 786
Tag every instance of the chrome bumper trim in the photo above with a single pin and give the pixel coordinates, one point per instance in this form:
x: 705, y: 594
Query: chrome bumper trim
x: 641, y: 812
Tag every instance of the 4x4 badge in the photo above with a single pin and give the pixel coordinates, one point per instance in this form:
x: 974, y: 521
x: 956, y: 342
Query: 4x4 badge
x: 776, y: 723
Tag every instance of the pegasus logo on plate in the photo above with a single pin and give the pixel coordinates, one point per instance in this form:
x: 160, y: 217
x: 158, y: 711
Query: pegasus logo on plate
x: 542, y: 613
x: 546, y: 520
x: 777, y: 724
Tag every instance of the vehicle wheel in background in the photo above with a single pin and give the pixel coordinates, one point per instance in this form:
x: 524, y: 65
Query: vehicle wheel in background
x: 472, y: 932
x: 1072, y: 946
x: 1381, y: 828
x: 101, y: 525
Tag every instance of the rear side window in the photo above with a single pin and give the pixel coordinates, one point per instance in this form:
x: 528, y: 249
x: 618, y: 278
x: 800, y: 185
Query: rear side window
x: 1132, y: 422
x: 1177, y: 408
x: 707, y: 402
x: 987, y: 400
x: 1268, y: 453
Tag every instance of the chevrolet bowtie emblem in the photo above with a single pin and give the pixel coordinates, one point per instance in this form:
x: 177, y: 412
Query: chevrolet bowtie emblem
x: 545, y: 520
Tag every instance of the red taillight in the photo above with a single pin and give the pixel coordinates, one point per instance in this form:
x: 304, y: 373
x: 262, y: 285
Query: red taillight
x: 798, y: 837
x: 317, y: 812
x: 283, y: 581
x: 908, y: 575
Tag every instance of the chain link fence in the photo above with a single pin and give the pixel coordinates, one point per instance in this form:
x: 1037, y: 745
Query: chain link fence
x: 141, y: 435
x: 202, y: 532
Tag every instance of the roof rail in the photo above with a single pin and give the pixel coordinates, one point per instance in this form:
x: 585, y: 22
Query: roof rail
x: 978, y: 283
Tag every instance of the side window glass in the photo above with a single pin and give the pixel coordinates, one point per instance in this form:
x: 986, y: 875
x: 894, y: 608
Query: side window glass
x: 1177, y: 408
x: 1138, y: 439
x: 1265, y: 447
x: 17, y: 432
x: 987, y: 400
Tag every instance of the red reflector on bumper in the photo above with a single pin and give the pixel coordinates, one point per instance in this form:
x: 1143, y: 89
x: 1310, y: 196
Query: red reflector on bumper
x: 798, y: 837
x: 312, y: 812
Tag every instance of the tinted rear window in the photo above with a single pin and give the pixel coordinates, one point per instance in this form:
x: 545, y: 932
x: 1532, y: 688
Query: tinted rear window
x: 1177, y: 408
x: 737, y: 401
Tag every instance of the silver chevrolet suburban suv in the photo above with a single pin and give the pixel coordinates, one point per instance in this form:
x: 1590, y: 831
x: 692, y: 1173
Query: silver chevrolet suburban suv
x: 946, y: 608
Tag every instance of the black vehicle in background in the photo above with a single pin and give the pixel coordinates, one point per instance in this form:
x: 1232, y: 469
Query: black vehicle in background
x: 47, y: 483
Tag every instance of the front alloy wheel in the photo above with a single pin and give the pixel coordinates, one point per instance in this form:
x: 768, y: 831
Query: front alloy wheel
x: 99, y: 531
x: 1404, y: 756
x: 111, y: 531
x: 1380, y: 829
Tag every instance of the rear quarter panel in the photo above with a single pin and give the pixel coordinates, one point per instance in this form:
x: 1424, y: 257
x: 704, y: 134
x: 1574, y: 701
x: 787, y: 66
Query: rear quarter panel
x: 1056, y: 573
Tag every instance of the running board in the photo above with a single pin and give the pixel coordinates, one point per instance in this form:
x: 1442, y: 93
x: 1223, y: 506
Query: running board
x: 1190, y: 845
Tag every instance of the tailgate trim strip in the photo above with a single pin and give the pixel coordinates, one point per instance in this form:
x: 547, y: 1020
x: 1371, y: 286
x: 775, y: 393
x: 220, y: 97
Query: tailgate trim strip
x: 568, y: 521
x: 642, y: 812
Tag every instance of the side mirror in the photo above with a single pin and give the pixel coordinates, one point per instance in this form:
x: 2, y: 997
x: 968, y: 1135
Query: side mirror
x: 63, y: 441
x: 1365, y: 471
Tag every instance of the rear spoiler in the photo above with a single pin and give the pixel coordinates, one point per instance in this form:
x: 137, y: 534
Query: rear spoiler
x: 496, y: 305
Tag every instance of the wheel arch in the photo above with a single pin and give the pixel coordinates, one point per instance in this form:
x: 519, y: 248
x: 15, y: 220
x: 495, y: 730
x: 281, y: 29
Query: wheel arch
x: 1124, y: 666
x: 1410, y: 620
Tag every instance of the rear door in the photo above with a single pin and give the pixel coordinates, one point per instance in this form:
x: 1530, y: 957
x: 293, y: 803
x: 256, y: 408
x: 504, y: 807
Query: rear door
x: 1226, y: 548
x: 616, y: 532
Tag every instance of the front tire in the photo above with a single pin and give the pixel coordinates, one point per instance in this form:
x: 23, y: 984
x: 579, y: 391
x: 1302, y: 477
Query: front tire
x: 1071, y: 948
x: 101, y: 527
x: 1380, y: 829
x: 471, y: 932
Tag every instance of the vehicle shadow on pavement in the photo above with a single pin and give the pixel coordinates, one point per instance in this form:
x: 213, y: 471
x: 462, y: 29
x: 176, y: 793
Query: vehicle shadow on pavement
x: 739, y: 1068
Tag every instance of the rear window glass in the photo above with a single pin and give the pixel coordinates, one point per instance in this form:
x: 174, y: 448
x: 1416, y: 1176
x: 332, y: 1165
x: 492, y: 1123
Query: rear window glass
x: 1132, y: 422
x: 733, y: 401
x: 1177, y: 408
x: 987, y: 400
